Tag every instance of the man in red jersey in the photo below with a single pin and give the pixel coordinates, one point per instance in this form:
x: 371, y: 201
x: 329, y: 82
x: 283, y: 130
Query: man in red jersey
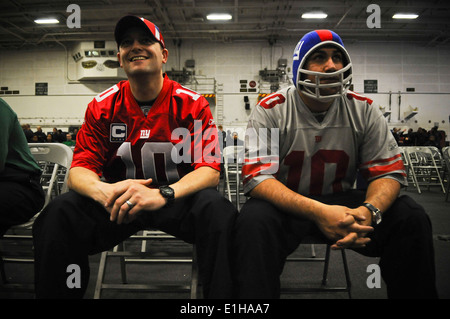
x: 147, y: 155
x: 304, y: 185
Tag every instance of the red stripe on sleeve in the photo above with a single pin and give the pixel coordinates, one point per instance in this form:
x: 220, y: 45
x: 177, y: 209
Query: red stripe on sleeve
x: 385, y: 160
x: 250, y: 171
x: 375, y: 171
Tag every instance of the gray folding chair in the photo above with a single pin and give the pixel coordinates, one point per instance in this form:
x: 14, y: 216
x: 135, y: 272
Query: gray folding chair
x: 446, y: 159
x: 323, y: 285
x: 155, y: 248
x: 233, y: 157
x: 16, y: 245
x: 409, y: 176
x: 424, y: 169
x: 231, y: 153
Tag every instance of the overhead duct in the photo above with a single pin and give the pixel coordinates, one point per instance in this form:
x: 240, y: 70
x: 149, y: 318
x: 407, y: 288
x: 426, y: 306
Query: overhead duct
x: 97, y: 60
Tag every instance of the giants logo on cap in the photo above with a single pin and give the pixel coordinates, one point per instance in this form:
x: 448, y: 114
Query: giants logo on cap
x: 134, y: 21
x: 155, y: 31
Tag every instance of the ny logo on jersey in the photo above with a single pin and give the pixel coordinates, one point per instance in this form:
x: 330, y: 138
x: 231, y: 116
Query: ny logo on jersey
x: 145, y: 134
x: 318, y: 139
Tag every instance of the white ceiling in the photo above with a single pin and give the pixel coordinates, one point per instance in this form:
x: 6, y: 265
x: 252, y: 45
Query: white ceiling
x: 253, y: 20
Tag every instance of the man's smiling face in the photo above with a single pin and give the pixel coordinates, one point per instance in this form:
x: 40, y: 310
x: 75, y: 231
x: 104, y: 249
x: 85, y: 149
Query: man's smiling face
x: 139, y: 53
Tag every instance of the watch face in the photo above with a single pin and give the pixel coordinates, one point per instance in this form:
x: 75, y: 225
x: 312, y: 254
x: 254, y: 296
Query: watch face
x: 167, y: 192
x: 376, y: 218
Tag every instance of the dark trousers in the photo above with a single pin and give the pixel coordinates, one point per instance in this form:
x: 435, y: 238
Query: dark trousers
x: 73, y: 227
x: 265, y: 236
x: 21, y: 198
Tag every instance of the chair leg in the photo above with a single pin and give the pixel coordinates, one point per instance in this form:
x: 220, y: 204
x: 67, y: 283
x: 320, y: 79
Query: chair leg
x: 194, y: 274
x: 347, y: 273
x: 144, y: 242
x: 101, y: 275
x: 123, y: 265
x: 124, y: 285
x: 2, y: 270
x: 224, y: 185
x: 325, y: 268
x: 448, y: 184
x: 313, y: 251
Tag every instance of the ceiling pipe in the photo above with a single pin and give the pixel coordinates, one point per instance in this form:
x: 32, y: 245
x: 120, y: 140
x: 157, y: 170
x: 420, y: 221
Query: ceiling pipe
x: 343, y: 17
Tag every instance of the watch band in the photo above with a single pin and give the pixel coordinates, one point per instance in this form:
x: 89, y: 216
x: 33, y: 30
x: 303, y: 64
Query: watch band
x: 168, y: 193
x: 376, y: 213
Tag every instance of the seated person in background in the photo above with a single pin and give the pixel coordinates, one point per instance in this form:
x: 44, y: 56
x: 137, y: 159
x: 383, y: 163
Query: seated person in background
x: 395, y: 132
x: 326, y: 134
x: 58, y: 135
x: 436, y: 140
x: 69, y: 141
x: 34, y: 139
x: 28, y: 132
x: 145, y: 184
x: 41, y: 135
x: 50, y: 138
x: 421, y: 136
x: 61, y: 136
x: 409, y: 138
x: 432, y: 141
x: 74, y: 134
x: 21, y: 194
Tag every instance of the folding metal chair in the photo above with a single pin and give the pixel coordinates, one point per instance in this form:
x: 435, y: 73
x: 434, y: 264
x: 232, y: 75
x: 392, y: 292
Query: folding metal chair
x: 446, y: 158
x: 324, y: 286
x: 233, y: 157
x: 232, y: 168
x: 170, y: 250
x: 16, y: 245
x: 438, y: 159
x: 409, y: 177
x: 424, y: 169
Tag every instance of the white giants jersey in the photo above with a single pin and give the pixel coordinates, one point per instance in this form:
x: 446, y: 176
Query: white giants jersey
x: 319, y: 158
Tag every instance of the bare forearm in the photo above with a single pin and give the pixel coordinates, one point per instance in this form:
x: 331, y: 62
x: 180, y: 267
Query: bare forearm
x: 382, y: 192
x: 285, y: 199
x: 201, y: 178
x: 85, y: 182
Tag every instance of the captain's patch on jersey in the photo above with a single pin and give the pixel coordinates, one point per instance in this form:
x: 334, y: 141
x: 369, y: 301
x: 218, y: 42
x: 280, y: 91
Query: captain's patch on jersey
x: 118, y: 132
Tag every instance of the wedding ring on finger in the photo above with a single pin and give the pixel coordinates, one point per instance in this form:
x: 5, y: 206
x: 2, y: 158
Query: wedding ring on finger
x: 130, y: 204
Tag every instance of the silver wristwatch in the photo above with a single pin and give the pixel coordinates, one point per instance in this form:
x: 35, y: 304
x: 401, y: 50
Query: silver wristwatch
x: 376, y: 213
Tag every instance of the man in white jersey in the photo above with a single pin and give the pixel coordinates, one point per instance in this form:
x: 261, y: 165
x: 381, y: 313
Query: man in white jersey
x: 305, y: 146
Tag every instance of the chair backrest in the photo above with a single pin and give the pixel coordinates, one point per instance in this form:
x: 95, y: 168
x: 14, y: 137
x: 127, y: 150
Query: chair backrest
x: 436, y: 153
x: 420, y: 155
x: 404, y: 155
x: 55, y: 160
x: 446, y: 156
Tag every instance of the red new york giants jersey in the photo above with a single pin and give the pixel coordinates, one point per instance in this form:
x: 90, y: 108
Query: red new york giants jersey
x: 118, y: 142
x: 319, y: 158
